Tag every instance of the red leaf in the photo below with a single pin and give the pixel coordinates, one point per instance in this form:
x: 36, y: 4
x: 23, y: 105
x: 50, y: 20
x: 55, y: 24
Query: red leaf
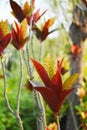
x: 75, y: 50
x: 5, y: 40
x: 53, y: 92
x: 43, y: 74
x: 60, y: 63
x: 1, y: 34
x: 64, y: 94
x: 14, y: 35
x: 57, y: 82
x: 1, y: 50
x: 45, y: 33
x: 50, y: 97
x: 15, y: 39
x: 17, y: 10
x: 17, y: 27
x: 37, y: 15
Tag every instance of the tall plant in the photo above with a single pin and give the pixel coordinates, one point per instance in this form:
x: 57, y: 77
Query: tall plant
x: 20, y: 36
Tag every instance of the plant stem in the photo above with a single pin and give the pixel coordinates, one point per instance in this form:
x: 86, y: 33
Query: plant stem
x: 73, y: 116
x: 32, y: 46
x: 41, y: 119
x: 38, y: 96
x: 20, y: 83
x: 58, y: 123
x: 19, y: 93
x: 19, y: 120
x: 40, y: 53
x: 5, y: 89
x: 15, y: 113
x: 28, y: 62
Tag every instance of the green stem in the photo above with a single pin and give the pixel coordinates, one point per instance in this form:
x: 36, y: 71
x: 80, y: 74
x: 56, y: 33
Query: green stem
x: 16, y: 114
x: 28, y: 62
x: 20, y: 83
x: 40, y: 53
x: 38, y: 96
x: 5, y: 89
x: 41, y: 119
x: 32, y: 47
x: 19, y: 93
x: 19, y: 120
x: 58, y: 123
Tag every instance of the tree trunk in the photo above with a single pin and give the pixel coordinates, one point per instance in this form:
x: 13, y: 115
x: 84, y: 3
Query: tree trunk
x: 78, y: 33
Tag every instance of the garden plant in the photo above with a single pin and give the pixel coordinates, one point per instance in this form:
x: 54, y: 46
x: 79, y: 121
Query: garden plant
x: 44, y: 82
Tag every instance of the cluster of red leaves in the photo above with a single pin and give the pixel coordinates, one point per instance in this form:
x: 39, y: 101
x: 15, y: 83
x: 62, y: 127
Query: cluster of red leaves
x: 42, y: 33
x: 26, y: 12
x: 4, y: 40
x: 75, y: 50
x: 18, y: 12
x: 54, y: 92
x: 19, y: 35
x: 35, y: 17
x: 32, y: 17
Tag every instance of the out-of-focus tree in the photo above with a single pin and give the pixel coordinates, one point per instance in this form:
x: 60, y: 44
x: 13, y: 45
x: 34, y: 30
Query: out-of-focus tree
x: 78, y: 34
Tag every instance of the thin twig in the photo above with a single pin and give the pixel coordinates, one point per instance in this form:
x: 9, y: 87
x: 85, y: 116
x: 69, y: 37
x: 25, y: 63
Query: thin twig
x: 24, y: 59
x: 27, y: 46
x: 32, y: 47
x: 28, y: 62
x: 42, y: 117
x: 16, y: 114
x: 19, y: 121
x: 19, y: 93
x: 20, y: 83
x: 40, y: 52
x: 5, y: 89
x: 38, y: 98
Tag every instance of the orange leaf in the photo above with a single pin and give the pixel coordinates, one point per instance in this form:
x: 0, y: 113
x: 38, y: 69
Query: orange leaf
x: 50, y: 97
x: 50, y: 22
x: 27, y: 9
x: 23, y: 27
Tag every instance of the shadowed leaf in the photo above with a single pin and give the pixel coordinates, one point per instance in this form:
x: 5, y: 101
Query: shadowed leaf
x: 50, y: 97
x: 17, y: 11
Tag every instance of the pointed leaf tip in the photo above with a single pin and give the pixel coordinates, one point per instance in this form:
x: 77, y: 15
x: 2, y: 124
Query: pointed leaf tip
x: 70, y: 81
x: 42, y: 73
